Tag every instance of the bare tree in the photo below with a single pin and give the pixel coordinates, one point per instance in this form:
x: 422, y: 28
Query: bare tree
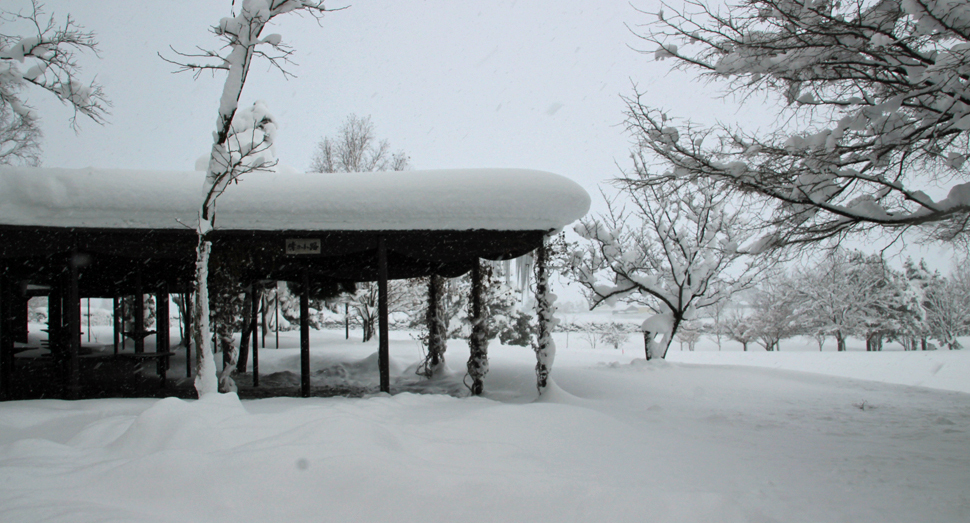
x: 740, y: 328
x: 874, y: 102
x: 615, y: 334
x: 242, y: 141
x: 848, y: 293
x: 356, y: 149
x: 677, y: 251
x: 402, y: 296
x: 948, y: 308
x: 689, y: 333
x: 39, y: 51
x: 775, y: 313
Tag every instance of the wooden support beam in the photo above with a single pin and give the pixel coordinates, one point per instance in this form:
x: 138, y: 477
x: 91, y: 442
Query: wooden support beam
x: 477, y: 343
x: 19, y: 311
x: 6, y: 338
x: 545, y: 346
x: 305, y: 335
x: 383, y: 352
x: 138, y: 312
x: 436, y: 334
x: 72, y: 316
x: 276, y: 305
x: 187, y: 340
x: 55, y: 327
x: 256, y: 301
x: 162, y: 332
x: 117, y: 317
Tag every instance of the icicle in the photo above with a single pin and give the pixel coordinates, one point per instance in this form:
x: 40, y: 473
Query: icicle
x: 523, y: 269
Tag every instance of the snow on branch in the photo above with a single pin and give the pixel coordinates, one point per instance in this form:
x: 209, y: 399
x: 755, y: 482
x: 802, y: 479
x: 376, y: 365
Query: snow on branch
x: 39, y: 51
x: 875, y: 98
x: 243, y: 140
x: 676, y: 250
x: 240, y: 150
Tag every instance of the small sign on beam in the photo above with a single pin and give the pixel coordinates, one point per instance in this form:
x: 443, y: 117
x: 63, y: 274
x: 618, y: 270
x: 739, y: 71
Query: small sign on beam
x: 299, y: 246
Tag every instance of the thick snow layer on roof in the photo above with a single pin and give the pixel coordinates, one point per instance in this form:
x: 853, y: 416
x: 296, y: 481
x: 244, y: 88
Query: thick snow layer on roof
x: 457, y: 199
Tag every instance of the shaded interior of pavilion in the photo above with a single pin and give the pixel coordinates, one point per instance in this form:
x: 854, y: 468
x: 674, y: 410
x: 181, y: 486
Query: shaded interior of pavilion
x: 100, y: 259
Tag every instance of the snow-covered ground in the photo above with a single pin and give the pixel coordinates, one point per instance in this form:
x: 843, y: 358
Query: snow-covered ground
x: 706, y: 436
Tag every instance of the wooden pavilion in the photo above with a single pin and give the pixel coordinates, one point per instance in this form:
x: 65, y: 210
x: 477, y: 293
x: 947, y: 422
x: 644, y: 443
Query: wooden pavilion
x: 70, y: 234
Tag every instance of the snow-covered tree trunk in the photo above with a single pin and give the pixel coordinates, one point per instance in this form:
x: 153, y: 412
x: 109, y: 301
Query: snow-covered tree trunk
x: 437, y: 328
x: 663, y: 326
x: 205, y: 374
x: 242, y: 142
x: 545, y: 346
x: 478, y: 340
x: 678, y: 252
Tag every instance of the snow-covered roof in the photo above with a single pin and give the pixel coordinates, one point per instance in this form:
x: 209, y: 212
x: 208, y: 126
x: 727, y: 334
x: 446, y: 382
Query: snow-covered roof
x: 454, y: 199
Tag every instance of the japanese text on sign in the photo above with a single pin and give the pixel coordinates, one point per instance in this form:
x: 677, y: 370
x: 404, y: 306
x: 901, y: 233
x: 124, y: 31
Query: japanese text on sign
x: 302, y: 246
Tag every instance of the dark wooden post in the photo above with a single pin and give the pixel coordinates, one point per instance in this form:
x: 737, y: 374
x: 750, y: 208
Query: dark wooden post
x: 276, y: 305
x: 477, y: 344
x: 187, y: 341
x: 19, y: 312
x: 436, y: 334
x: 55, y: 326
x: 124, y: 313
x: 305, y: 335
x: 116, y: 318
x: 256, y: 301
x: 383, y: 352
x: 162, y: 333
x: 6, y: 338
x: 138, y: 311
x: 545, y: 347
x: 72, y: 313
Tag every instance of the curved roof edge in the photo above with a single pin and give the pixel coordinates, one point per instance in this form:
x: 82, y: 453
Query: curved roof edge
x: 447, y: 199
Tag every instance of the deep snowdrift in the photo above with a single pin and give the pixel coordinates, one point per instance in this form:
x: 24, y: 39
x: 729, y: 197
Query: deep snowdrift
x: 619, y: 440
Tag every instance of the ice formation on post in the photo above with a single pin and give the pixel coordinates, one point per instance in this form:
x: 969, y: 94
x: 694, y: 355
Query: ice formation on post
x: 545, y: 346
x: 477, y: 341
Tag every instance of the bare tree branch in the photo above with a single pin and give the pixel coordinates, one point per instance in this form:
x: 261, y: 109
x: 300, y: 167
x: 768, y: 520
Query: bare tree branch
x: 877, y: 99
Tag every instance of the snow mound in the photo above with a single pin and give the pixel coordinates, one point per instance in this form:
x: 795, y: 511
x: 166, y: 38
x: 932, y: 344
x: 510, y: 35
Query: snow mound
x: 451, y: 199
x: 944, y: 370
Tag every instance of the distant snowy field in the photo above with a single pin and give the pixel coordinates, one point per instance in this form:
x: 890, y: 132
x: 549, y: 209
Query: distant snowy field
x: 707, y: 436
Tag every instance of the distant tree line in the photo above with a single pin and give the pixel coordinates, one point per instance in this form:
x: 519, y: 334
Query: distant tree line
x: 851, y: 294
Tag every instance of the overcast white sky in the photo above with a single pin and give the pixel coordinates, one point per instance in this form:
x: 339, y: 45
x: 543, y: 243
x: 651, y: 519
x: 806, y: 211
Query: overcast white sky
x: 529, y: 83
x: 532, y: 84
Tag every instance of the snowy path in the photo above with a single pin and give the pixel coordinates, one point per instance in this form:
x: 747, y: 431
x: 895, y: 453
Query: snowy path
x: 658, y: 442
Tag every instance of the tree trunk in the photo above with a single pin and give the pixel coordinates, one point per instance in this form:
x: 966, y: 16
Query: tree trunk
x: 206, y: 381
x: 368, y: 326
x: 669, y: 337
